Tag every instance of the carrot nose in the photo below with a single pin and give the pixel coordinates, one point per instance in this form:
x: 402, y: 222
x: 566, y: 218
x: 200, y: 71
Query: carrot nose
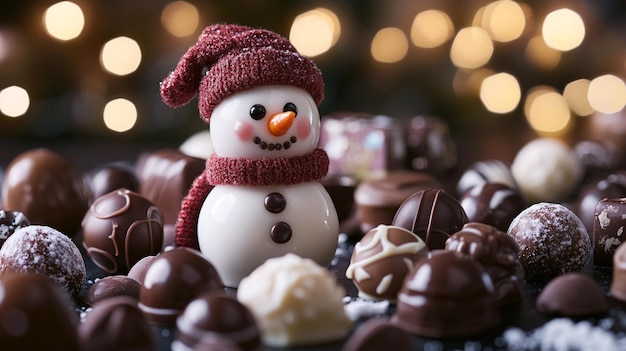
x: 280, y: 123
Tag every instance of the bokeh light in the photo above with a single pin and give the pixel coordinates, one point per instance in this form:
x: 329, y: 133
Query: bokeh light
x: 315, y: 32
x: 563, y: 29
x: 471, y: 48
x: 389, y: 45
x: 547, y: 111
x: 180, y: 18
x: 500, y: 93
x: 14, y: 101
x: 431, y: 28
x: 541, y: 54
x: 504, y: 20
x: 575, y: 93
x: 607, y: 94
x: 64, y: 20
x: 120, y: 115
x: 120, y: 56
x: 470, y: 81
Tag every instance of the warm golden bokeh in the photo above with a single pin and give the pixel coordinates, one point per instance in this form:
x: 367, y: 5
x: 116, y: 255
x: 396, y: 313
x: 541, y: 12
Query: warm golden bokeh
x: 180, y: 18
x: 64, y: 20
x: 120, y: 56
x: 431, y: 28
x: 315, y: 32
x: 119, y: 115
x: 389, y: 45
x: 471, y: 48
x: 500, y: 93
x: 14, y: 101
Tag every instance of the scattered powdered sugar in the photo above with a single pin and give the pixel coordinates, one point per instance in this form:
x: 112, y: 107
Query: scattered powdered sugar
x: 358, y: 308
x: 562, y: 334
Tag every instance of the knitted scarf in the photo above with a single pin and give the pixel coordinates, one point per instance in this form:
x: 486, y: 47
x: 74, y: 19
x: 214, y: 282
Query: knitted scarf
x: 243, y: 171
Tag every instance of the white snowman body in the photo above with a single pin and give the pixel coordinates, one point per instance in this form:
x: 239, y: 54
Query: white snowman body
x: 241, y: 226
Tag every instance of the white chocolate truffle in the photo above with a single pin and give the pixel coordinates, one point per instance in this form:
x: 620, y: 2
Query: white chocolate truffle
x: 295, y: 301
x: 546, y: 169
x: 198, y: 145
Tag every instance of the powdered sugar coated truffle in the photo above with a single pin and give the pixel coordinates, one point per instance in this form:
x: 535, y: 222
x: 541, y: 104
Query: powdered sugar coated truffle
x: 552, y: 240
x: 546, y: 169
x: 44, y: 251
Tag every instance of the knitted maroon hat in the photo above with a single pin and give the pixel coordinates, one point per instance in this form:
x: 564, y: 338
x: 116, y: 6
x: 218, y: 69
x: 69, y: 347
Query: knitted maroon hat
x: 237, y: 58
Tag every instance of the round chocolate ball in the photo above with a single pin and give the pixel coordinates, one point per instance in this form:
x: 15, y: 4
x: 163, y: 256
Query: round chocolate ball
x: 377, y: 200
x: 217, y: 313
x: 116, y: 323
x: 172, y: 280
x: 379, y: 334
x: 382, y: 259
x: 113, y: 285
x: 10, y: 221
x: 572, y: 295
x: 433, y: 215
x: 36, y: 315
x: 138, y: 270
x: 447, y: 295
x: 497, y: 252
x: 47, y: 188
x: 495, y: 204
x: 120, y: 228
x: 487, y: 171
x: 112, y: 177
x: 610, y: 186
x: 551, y: 240
x: 44, y: 251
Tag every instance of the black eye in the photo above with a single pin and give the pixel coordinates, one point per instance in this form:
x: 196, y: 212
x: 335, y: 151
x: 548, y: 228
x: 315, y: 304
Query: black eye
x: 257, y: 112
x: 290, y: 107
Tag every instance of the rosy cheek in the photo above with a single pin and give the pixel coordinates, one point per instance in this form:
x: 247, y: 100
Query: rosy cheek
x: 303, y: 128
x: 244, y: 131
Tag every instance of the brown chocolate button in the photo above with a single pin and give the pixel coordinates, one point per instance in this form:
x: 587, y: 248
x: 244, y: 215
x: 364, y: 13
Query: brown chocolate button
x: 275, y: 203
x: 281, y: 232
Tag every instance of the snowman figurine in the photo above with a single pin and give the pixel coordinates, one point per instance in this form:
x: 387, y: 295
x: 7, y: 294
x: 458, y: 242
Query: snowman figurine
x: 260, y: 195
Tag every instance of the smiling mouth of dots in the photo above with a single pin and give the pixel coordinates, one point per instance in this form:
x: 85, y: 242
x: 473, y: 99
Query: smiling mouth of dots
x: 274, y: 146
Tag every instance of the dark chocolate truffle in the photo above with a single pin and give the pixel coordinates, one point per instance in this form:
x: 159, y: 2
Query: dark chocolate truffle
x: 572, y: 295
x: 112, y: 177
x: 497, y: 252
x: 608, y: 230
x: 382, y: 259
x: 488, y: 171
x: 172, y: 280
x: 114, y: 285
x: 36, y: 315
x: 138, y: 270
x: 10, y: 221
x: 447, y: 295
x: 433, y: 215
x: 120, y: 228
x: 429, y: 145
x: 378, y: 334
x: 217, y: 313
x: 492, y: 203
x: 377, y: 200
x: 116, y: 323
x: 618, y: 283
x: 551, y: 241
x: 47, y: 188
x: 165, y: 177
x: 44, y: 251
x: 609, y: 186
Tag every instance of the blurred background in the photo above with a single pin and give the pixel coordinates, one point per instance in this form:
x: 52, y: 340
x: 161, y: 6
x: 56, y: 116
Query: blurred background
x: 88, y: 72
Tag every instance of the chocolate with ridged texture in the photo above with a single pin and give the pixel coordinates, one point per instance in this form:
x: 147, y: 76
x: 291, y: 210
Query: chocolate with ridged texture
x: 47, y: 188
x: 608, y: 230
x: 433, y: 215
x: 10, y: 221
x: 112, y: 177
x: 120, y: 228
x: 487, y: 171
x: 381, y: 260
x: 447, y: 295
x: 217, y: 313
x: 165, y: 177
x: 572, y: 295
x: 116, y: 323
x: 429, y: 145
x: 111, y: 286
x: 377, y: 200
x: 378, y: 334
x: 46, y: 252
x: 609, y: 186
x: 172, y: 280
x: 37, y: 315
x: 551, y: 240
x: 495, y: 204
x: 618, y: 281
x: 497, y: 252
